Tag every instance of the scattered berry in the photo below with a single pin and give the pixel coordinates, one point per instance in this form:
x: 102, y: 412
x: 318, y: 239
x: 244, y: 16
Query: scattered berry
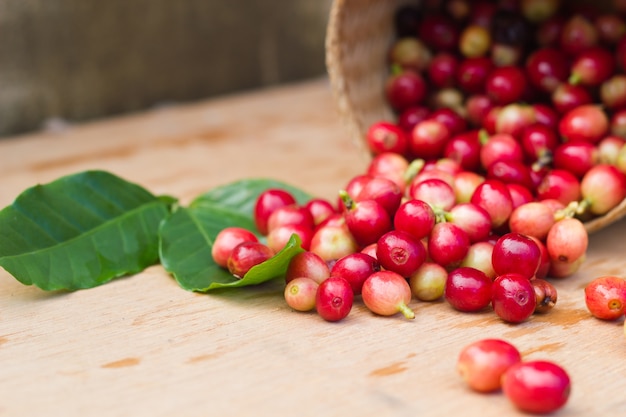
x: 539, y: 387
x: 605, y: 297
x: 300, y: 293
x: 481, y: 364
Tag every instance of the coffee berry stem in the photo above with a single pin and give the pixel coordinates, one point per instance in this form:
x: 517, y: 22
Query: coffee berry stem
x: 574, y: 208
x: 346, y: 199
x: 406, y: 311
x: 544, y: 160
x: 414, y: 168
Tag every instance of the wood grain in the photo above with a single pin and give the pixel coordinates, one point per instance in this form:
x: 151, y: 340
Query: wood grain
x: 142, y: 346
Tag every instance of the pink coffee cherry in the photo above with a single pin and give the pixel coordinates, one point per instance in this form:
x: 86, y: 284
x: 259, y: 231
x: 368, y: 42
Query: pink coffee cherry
x: 225, y: 242
x: 481, y: 364
x: 387, y: 293
x: 605, y: 297
x: 307, y: 264
x: 300, y: 293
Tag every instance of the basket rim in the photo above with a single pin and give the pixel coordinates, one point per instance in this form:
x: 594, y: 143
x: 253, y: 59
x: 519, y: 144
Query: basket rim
x: 336, y: 71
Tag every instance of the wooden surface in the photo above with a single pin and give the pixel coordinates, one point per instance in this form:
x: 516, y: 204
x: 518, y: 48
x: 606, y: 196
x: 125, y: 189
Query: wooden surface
x: 141, y: 346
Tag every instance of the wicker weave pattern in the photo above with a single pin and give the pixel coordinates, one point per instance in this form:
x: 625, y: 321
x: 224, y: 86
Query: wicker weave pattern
x: 357, y: 42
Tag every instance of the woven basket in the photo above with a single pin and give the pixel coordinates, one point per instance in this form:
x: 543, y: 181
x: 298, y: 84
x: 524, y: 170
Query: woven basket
x: 358, y: 38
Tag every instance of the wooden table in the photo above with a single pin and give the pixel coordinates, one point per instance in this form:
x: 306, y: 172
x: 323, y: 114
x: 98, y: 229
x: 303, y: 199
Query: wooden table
x: 142, y: 346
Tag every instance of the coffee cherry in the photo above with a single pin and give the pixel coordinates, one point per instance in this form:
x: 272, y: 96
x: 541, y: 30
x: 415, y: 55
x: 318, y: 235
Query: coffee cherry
x: 613, y: 92
x: 448, y: 244
x: 225, y: 242
x: 387, y: 293
x: 566, y: 97
x: 479, y: 257
x: 334, y: 299
x: 592, y: 66
x: 389, y: 165
x: 500, y: 147
x: 355, y: 268
x: 307, y: 264
x: 300, y: 293
x: 545, y: 294
x: 532, y: 219
x: 481, y: 364
x: 405, y: 89
x: 494, y: 197
x: 384, y: 191
x: 567, y: 240
x: 516, y: 253
x: 575, y: 157
x: 278, y: 237
x: 428, y: 139
x: 611, y: 28
x: 586, y: 123
x: 367, y: 220
x: 428, y: 282
x: 506, y: 84
x: 473, y: 219
x: 547, y: 68
x: 559, y: 184
x: 411, y: 116
x: 331, y: 242
x: 538, y: 387
x: 474, y: 41
x: 468, y: 289
x: 577, y: 35
x: 415, y: 217
x: 603, y: 187
x: 386, y: 137
x: 320, y: 209
x: 409, y: 53
x: 440, y: 32
x: 442, y: 69
x: 290, y: 215
x: 246, y: 255
x: 605, y: 297
x: 435, y: 192
x: 513, y: 297
x: 472, y: 73
x: 400, y: 252
x: 266, y: 203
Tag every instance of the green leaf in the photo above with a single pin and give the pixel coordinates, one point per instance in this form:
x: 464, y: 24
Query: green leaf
x: 240, y: 196
x: 187, y: 235
x: 80, y: 231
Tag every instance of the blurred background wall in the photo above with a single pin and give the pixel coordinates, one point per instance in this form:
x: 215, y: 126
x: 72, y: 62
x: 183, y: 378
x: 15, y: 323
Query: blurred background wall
x: 78, y: 60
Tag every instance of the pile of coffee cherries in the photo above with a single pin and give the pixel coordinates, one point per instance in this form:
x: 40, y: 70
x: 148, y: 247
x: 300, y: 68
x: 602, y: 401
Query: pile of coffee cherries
x: 509, y: 133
